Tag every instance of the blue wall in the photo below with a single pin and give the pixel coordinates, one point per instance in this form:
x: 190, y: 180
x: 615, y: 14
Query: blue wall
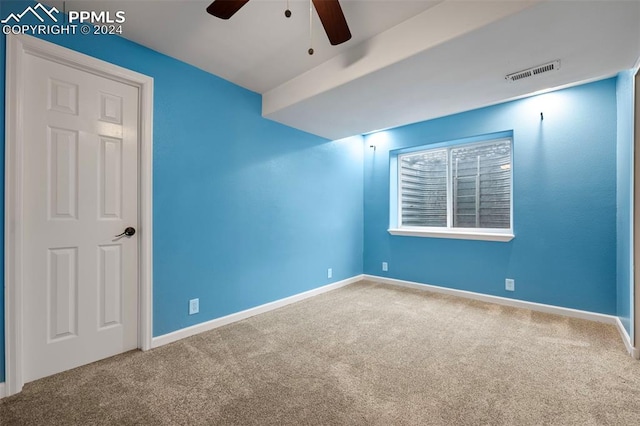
x: 564, y: 185
x: 246, y: 211
x: 624, y: 96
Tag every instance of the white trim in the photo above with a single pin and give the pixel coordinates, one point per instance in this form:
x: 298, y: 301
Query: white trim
x: 540, y: 307
x: 635, y: 210
x: 627, y: 340
x: 13, y: 209
x: 452, y: 233
x: 17, y: 47
x: 238, y: 316
x: 145, y: 173
x: 2, y: 391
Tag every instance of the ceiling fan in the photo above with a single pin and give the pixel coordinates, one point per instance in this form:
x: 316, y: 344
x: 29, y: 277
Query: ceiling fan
x: 329, y: 12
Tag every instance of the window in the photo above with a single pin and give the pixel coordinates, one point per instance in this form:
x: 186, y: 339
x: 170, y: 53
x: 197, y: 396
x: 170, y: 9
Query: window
x: 462, y: 191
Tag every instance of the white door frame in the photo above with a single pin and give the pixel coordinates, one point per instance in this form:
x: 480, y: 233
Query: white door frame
x: 635, y: 295
x: 18, y: 46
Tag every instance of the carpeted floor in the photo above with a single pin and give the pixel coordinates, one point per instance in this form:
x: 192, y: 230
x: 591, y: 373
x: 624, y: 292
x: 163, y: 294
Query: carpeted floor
x: 366, y: 354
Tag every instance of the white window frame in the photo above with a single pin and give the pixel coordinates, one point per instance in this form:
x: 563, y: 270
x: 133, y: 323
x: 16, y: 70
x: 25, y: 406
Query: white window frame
x: 485, y: 234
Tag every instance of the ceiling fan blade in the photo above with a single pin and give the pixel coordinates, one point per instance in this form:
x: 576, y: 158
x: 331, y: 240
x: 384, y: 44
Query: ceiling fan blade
x: 333, y: 20
x: 225, y: 9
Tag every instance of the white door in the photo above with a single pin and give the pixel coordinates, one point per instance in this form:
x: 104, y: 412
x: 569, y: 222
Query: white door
x: 80, y: 190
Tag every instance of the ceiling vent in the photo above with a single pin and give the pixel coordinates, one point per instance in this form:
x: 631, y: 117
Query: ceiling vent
x: 532, y: 72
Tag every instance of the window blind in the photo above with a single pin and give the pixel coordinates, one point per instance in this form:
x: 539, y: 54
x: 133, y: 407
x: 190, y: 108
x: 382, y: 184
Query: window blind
x: 466, y: 186
x: 481, y: 177
x: 423, y: 182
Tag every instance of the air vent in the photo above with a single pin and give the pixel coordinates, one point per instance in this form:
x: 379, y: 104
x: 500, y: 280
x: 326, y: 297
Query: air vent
x: 531, y: 72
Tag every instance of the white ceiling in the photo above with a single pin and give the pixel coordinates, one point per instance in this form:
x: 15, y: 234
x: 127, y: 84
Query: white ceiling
x: 408, y: 61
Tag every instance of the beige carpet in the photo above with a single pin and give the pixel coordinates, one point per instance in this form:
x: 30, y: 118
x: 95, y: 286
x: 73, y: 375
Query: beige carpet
x: 366, y: 354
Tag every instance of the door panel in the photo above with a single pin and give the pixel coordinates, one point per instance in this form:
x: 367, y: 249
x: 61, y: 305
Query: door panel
x: 62, y: 293
x: 62, y: 153
x: 109, y: 298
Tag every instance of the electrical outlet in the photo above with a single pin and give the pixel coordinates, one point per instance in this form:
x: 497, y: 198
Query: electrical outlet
x: 385, y: 266
x: 194, y: 306
x: 509, y: 284
x: 329, y: 273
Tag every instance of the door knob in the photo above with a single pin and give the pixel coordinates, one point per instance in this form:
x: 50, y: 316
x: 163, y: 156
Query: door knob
x: 128, y: 232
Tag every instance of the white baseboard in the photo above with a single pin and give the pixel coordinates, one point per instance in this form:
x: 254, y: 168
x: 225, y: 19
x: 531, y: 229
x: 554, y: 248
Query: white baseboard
x: 238, y: 316
x: 540, y: 307
x: 634, y: 352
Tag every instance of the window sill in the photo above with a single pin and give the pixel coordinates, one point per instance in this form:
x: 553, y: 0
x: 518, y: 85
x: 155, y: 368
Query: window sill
x: 454, y: 234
